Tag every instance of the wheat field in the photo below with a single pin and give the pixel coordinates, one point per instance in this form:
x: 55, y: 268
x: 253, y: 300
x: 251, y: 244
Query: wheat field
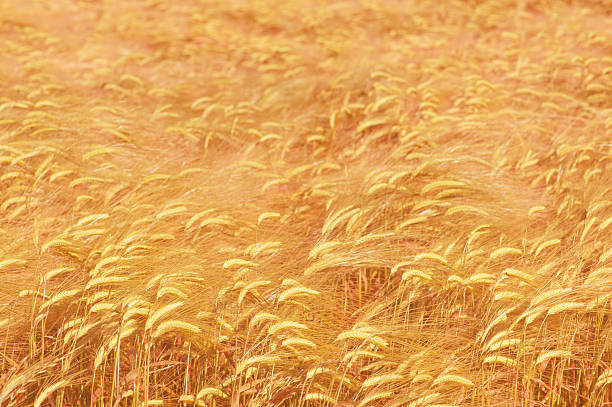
x: 305, y: 203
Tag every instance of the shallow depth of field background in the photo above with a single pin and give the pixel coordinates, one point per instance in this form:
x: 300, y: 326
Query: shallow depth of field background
x: 305, y: 203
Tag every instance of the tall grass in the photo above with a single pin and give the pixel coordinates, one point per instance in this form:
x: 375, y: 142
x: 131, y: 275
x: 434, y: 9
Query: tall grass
x: 346, y: 203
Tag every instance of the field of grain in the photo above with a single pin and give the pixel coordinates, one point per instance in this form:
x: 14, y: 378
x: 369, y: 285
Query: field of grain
x: 305, y: 203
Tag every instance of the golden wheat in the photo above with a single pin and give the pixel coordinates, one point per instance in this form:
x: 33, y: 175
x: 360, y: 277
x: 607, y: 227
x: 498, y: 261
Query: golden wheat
x: 405, y: 206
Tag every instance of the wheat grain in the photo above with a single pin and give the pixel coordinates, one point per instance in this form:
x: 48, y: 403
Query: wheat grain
x: 466, y: 209
x: 171, y: 212
x: 10, y: 201
x: 415, y: 273
x: 508, y: 295
x: 165, y: 290
x: 11, y: 385
x: 238, y: 263
x: 597, y: 302
x: 412, y: 221
x: 25, y: 293
x: 187, y: 398
x: 546, y: 244
x: 357, y: 334
x: 128, y: 329
x: 455, y: 279
x: 422, y: 377
x: 87, y: 180
x: 535, y: 209
x: 605, y: 223
x: 441, y: 184
x: 503, y: 317
x: 560, y: 354
x: 500, y: 359
x: 59, y: 297
x: 285, y: 325
x: 296, y: 291
x: 104, y: 262
x: 606, y: 255
x: 497, y: 337
x: 505, y: 251
x: 298, y: 341
x: 373, y: 236
x: 11, y: 263
x: 506, y: 343
x: 430, y: 256
x: 135, y: 311
x: 160, y: 237
x: 197, y: 217
x: 256, y: 249
x: 600, y: 273
x: 324, y: 248
x: 260, y: 359
x: 352, y: 356
x: 215, y: 221
x: 319, y: 397
x: 521, y: 275
x: 604, y: 379
x: 251, y: 286
x: 152, y: 403
x: 322, y: 264
x: 87, y: 233
x: 47, y: 391
x: 273, y: 182
x: 480, y: 278
x: 474, y: 253
x: 262, y: 316
x: 334, y: 216
x: 55, y: 272
x: 453, y: 378
x: 110, y: 280
x: 382, y: 379
x: 350, y: 224
x: 367, y: 124
x: 547, y: 295
x: 103, y: 306
x: 399, y: 265
x: 375, y: 396
x: 70, y: 324
x: 566, y: 306
x: 425, y: 400
x: 532, y: 316
x: 317, y: 371
x: 99, y: 151
x: 210, y: 391
x: 161, y: 312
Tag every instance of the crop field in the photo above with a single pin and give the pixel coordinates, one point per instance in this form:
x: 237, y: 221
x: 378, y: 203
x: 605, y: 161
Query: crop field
x: 303, y: 203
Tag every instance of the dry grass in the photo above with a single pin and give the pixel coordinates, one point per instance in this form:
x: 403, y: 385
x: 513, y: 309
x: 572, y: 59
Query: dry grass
x: 350, y: 203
